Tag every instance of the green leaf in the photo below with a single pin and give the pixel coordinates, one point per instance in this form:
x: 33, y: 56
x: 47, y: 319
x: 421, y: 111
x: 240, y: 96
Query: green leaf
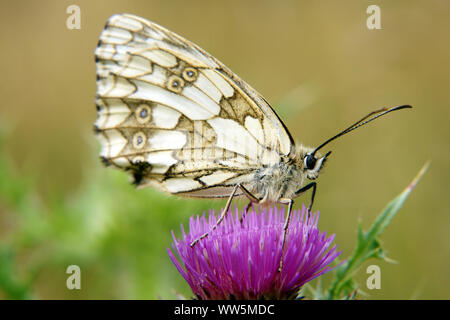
x: 368, y: 245
x: 11, y: 286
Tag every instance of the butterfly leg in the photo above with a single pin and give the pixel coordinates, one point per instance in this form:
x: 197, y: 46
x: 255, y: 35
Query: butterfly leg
x: 312, y: 185
x: 289, y: 202
x: 225, y: 210
x: 245, y: 211
x: 252, y: 201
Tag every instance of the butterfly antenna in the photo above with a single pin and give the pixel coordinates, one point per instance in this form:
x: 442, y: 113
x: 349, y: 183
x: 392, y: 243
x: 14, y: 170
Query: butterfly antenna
x: 370, y: 117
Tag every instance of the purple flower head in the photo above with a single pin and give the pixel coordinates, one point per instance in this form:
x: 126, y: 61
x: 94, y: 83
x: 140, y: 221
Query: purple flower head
x: 240, y: 260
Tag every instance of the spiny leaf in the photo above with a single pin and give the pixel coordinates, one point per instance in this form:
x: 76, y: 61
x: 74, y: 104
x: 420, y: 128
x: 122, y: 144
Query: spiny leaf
x: 368, y: 243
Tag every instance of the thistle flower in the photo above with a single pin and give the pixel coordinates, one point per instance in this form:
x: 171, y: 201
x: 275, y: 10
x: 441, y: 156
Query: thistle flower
x: 240, y: 260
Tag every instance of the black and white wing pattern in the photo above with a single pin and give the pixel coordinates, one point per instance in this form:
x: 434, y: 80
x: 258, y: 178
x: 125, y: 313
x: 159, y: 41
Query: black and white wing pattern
x: 175, y: 117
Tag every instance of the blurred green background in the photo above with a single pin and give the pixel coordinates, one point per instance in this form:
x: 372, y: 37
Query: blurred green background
x: 318, y: 65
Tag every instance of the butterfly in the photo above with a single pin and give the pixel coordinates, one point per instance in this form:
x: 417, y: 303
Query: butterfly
x: 178, y: 119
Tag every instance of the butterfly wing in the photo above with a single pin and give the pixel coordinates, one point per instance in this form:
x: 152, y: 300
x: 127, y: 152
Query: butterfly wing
x: 176, y: 117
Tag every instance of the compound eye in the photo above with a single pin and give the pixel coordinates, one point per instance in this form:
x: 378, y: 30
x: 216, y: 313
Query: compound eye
x: 310, y: 162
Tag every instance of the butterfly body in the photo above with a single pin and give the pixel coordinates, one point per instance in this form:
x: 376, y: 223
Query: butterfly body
x: 283, y: 179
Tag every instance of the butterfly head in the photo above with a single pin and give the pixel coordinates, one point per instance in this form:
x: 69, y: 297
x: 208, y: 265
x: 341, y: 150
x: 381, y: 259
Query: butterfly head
x: 312, y: 162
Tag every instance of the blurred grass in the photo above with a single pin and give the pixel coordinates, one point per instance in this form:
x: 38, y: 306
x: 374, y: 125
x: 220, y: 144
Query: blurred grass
x: 113, y: 232
x: 318, y: 65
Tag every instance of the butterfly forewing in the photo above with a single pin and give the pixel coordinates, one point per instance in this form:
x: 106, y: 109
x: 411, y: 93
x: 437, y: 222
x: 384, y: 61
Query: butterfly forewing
x: 177, y: 118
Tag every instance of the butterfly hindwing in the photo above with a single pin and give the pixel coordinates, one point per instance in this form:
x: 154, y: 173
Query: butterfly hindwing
x: 176, y: 117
